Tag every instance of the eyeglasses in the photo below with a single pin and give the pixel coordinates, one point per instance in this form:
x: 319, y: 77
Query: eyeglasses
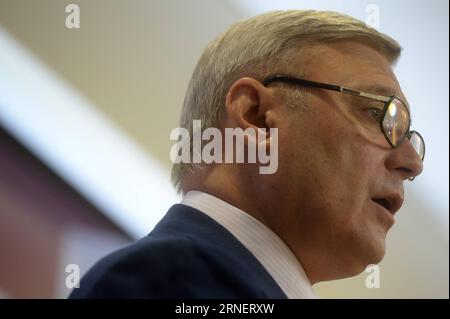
x: 394, y: 121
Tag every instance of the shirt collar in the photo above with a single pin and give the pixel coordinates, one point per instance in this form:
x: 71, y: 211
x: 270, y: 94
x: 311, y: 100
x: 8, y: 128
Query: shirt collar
x: 263, y: 243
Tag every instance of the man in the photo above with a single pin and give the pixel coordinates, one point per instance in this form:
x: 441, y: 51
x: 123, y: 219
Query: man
x: 324, y: 81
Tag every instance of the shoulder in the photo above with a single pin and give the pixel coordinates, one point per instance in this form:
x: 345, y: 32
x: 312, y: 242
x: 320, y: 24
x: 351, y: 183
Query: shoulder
x: 167, y: 267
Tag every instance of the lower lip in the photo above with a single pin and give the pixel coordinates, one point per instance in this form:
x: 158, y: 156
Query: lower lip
x: 387, y: 214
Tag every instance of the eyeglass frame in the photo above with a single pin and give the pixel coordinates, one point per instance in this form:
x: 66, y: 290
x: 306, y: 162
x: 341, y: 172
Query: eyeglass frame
x: 381, y: 98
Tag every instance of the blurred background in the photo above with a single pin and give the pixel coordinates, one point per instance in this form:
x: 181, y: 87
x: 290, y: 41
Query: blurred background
x: 85, y: 117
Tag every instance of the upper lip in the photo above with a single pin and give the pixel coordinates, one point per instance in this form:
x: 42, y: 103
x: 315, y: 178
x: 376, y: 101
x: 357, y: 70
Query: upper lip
x: 391, y: 201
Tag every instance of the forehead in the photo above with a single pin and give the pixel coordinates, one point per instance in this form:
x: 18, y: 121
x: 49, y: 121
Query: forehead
x: 347, y: 59
x: 353, y: 64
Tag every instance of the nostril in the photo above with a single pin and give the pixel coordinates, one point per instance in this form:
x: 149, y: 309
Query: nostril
x: 406, y: 173
x: 414, y: 170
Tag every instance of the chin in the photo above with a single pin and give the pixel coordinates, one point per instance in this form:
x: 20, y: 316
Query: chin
x: 373, y: 254
x: 361, y: 265
x: 370, y: 251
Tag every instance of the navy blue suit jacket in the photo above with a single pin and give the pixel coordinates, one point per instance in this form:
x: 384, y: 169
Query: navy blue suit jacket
x: 187, y: 255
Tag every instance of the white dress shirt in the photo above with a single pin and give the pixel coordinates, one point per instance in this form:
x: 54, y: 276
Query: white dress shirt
x: 264, y: 244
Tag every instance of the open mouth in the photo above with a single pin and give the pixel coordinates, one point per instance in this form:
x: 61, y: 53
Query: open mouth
x: 391, y: 201
x: 385, y: 203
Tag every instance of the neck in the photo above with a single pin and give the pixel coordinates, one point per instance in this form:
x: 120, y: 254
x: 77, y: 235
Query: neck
x: 244, y: 192
x: 236, y: 188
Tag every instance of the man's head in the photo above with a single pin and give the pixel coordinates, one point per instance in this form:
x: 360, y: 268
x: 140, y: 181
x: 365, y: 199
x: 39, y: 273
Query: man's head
x: 336, y: 170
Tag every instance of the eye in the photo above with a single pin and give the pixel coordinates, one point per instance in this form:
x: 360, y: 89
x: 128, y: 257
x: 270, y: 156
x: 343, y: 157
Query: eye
x: 374, y: 113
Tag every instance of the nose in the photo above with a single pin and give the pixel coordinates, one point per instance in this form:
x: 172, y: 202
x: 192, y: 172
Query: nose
x: 405, y: 161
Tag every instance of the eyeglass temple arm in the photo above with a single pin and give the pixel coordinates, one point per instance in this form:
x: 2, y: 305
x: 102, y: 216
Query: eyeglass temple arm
x: 326, y: 86
x: 380, y: 98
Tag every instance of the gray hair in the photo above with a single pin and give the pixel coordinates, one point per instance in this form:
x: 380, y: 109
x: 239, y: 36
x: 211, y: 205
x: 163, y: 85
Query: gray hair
x: 257, y: 47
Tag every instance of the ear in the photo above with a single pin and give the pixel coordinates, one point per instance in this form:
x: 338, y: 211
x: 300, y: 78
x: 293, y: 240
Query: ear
x: 249, y: 104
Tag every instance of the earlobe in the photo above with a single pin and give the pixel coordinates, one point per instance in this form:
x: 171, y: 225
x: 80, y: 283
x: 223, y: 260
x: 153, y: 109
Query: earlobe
x: 270, y: 123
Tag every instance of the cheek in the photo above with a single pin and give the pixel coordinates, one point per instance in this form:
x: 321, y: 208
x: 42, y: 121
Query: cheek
x: 348, y: 168
x: 349, y: 158
x: 328, y: 161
